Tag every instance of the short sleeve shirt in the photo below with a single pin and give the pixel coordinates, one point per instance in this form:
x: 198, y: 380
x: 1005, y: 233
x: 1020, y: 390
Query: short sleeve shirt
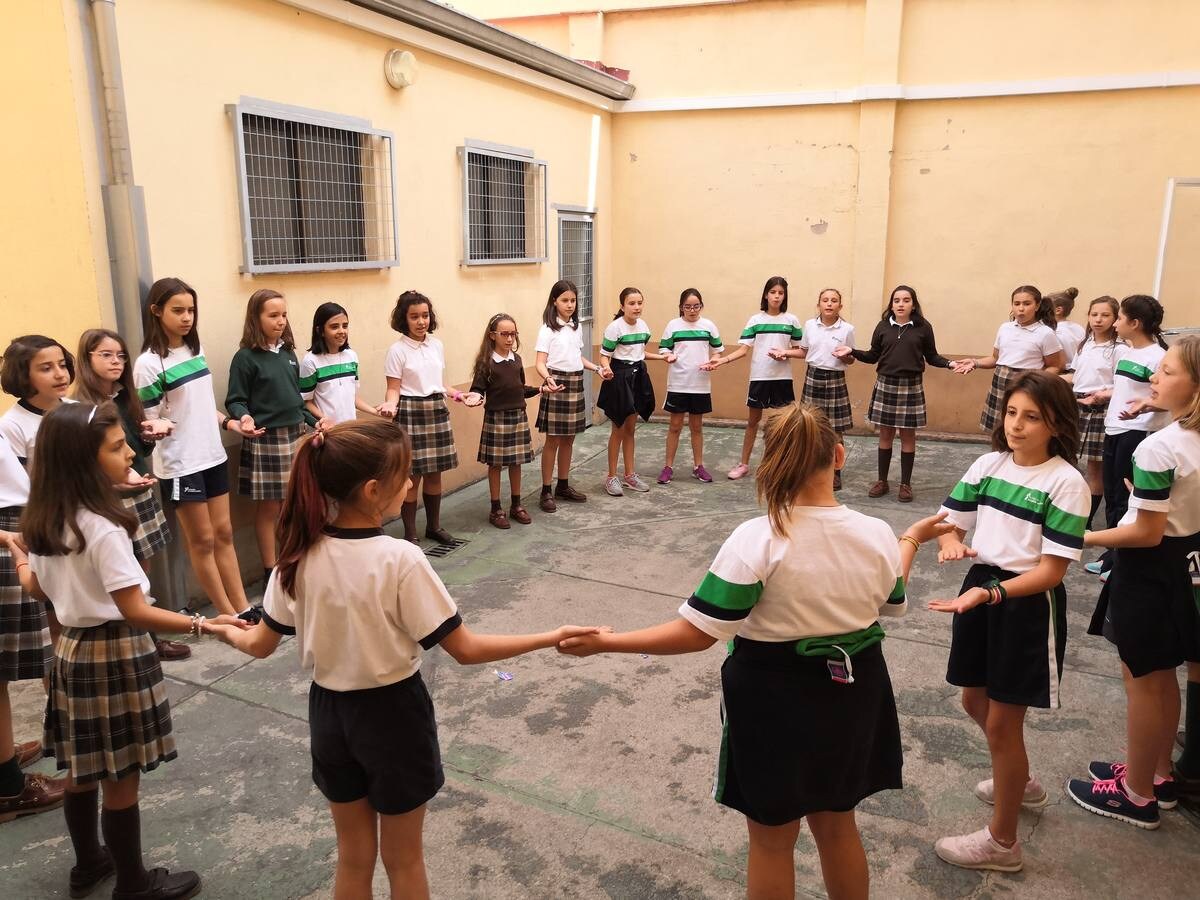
x: 692, y: 343
x: 765, y: 332
x: 625, y: 342
x: 563, y: 348
x: 1166, y: 478
x: 1131, y: 381
x: 331, y: 381
x: 820, y: 340
x: 420, y: 366
x: 1069, y: 336
x: 1025, y: 346
x: 1094, y: 365
x: 179, y: 387
x: 14, y: 480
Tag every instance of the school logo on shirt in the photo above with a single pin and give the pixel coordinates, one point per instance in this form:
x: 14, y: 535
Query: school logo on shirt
x: 1034, y: 500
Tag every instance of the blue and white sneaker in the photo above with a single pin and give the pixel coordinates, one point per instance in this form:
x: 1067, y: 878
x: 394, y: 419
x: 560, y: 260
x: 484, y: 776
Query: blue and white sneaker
x: 1108, y: 798
x: 1165, y: 792
x: 1094, y: 568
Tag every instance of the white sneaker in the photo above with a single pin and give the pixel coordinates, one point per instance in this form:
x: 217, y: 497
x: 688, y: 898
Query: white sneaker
x: 979, y: 850
x: 1035, y: 795
x: 738, y: 471
x: 612, y: 487
x: 635, y: 482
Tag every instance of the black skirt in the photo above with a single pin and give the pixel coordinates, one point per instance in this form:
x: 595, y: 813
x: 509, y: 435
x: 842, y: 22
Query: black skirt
x: 629, y: 391
x: 1148, y: 606
x: 795, y: 741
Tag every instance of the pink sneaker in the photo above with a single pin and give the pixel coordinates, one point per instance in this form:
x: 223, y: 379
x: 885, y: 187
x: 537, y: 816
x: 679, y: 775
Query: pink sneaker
x: 664, y: 477
x: 979, y: 850
x: 701, y: 474
x: 1035, y: 795
x: 738, y: 471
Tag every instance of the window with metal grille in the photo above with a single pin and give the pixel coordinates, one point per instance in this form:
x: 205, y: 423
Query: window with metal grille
x: 504, y: 205
x: 575, y: 258
x: 317, y: 190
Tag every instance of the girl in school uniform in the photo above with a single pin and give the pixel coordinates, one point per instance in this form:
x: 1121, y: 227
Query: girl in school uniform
x: 264, y: 396
x: 1139, y: 325
x: 498, y: 383
x: 561, y: 414
x: 901, y: 345
x: 1091, y: 377
x: 1026, y: 504
x: 1148, y: 606
x: 805, y: 648
x: 174, y: 383
x: 104, y: 374
x: 1070, y: 334
x: 629, y: 393
x: 329, y: 370
x: 689, y: 344
x: 415, y: 368
x: 38, y: 371
x: 825, y: 375
x: 772, y: 328
x: 25, y: 654
x: 107, y: 718
x: 1027, y: 342
x: 374, y: 740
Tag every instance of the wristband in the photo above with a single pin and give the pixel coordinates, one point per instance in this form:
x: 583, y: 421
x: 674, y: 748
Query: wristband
x: 18, y: 565
x: 225, y: 423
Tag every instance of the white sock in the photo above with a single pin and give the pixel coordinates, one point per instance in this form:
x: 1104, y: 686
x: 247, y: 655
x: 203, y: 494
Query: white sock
x: 1138, y: 799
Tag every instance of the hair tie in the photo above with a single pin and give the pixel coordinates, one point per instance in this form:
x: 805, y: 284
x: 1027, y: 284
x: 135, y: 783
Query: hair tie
x: 318, y: 440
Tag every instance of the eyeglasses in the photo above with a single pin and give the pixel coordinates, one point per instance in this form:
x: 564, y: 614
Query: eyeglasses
x: 690, y: 307
x: 505, y: 334
x: 109, y: 355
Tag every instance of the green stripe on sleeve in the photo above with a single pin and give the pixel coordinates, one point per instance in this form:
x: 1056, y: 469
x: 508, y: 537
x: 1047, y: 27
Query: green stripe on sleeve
x: 152, y: 391
x: 727, y: 595
x: 797, y: 334
x: 608, y: 345
x: 1067, y: 523
x: 308, y: 383
x: 772, y: 328
x: 184, y: 369
x: 965, y: 492
x: 1152, y: 481
x: 1134, y: 370
x: 638, y: 337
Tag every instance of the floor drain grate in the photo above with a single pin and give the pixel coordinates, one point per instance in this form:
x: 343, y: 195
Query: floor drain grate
x: 440, y: 550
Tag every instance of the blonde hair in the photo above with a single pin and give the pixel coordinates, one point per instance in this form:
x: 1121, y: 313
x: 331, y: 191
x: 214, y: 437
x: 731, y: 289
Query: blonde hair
x: 1189, y: 353
x: 800, y: 443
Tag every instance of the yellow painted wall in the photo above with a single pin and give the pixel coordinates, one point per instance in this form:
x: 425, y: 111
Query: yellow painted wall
x: 184, y: 154
x: 552, y: 32
x: 50, y: 279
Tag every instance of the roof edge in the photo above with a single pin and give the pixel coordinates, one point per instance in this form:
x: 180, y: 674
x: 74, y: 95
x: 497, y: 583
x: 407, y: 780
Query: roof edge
x: 465, y: 29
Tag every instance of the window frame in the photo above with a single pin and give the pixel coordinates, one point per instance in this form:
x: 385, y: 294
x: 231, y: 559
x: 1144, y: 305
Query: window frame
x: 503, y: 151
x: 302, y: 115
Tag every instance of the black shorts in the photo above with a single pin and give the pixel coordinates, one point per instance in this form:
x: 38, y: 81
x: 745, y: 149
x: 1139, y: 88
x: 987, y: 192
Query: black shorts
x: 380, y: 744
x: 771, y: 394
x: 197, y: 487
x: 1015, y: 648
x: 693, y: 404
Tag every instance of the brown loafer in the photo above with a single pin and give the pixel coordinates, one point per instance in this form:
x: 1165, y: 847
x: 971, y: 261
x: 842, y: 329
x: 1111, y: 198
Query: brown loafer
x: 441, y: 535
x: 520, y: 514
x: 546, y: 503
x: 28, y: 753
x: 164, y: 885
x: 878, y: 489
x: 904, y: 495
x: 498, y: 519
x: 41, y: 794
x: 85, y: 879
x: 172, y: 650
x: 570, y: 494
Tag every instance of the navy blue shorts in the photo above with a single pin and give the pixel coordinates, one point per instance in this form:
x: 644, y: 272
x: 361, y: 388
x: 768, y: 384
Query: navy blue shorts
x: 771, y: 394
x: 199, y: 486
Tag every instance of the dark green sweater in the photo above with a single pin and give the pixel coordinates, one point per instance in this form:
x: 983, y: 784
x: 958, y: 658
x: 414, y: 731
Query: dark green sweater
x: 266, y: 385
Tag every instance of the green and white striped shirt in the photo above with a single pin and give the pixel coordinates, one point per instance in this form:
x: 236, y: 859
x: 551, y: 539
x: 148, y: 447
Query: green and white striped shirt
x: 624, y: 341
x: 331, y: 381
x: 1131, y: 381
x: 765, y: 332
x: 179, y: 387
x: 1166, y: 478
x: 692, y: 343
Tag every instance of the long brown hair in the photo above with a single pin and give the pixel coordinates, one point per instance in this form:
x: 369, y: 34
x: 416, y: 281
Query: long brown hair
x: 66, y: 477
x: 1044, y: 312
x: 1055, y: 402
x: 87, y: 385
x: 799, y: 443
x: 155, y: 335
x: 1111, y: 334
x: 253, y: 336
x: 479, y: 371
x: 332, y: 466
x: 550, y: 313
x: 1189, y: 352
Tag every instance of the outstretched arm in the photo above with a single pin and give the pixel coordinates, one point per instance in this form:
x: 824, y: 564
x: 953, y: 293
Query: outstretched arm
x: 667, y: 639
x: 469, y: 648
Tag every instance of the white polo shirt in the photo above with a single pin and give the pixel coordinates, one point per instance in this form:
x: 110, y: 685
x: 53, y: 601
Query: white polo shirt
x: 80, y: 584
x: 1094, y: 365
x: 331, y: 381
x: 563, y: 348
x: 765, y: 332
x: 693, y: 344
x: 420, y: 366
x: 836, y: 572
x: 19, y: 426
x: 1020, y: 513
x: 14, y: 480
x: 1025, y: 346
x: 1166, y: 478
x: 1069, y: 335
x: 364, y: 607
x: 625, y: 342
x: 820, y: 340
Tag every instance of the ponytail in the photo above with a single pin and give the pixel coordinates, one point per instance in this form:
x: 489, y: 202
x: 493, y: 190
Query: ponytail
x: 799, y: 444
x: 332, y: 466
x: 625, y: 293
x: 1149, y: 314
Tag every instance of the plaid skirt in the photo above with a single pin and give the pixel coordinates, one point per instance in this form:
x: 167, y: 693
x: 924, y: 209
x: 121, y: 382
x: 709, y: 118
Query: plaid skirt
x: 25, y: 650
x: 1091, y: 431
x: 826, y: 389
x: 266, y: 462
x: 505, y: 439
x: 107, y: 713
x: 427, y: 421
x: 897, y: 401
x: 563, y: 413
x: 152, y: 532
x: 994, y: 405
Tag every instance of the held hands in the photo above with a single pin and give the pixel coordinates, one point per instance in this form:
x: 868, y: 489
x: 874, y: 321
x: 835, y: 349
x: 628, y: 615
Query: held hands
x: 386, y: 410
x: 156, y: 429
x: 604, y: 372
x: 953, y: 550
x: 245, y: 427
x: 226, y: 628
x: 930, y: 528
x: 552, y: 386
x: 133, y: 483
x: 776, y: 354
x: 712, y: 365
x: 960, y: 604
x: 472, y: 398
x: 582, y: 641
x: 842, y: 351
x: 963, y: 366
x: 669, y: 357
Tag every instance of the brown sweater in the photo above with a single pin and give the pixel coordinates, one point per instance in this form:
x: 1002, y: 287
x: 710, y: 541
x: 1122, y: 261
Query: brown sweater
x: 902, y: 350
x: 503, y: 384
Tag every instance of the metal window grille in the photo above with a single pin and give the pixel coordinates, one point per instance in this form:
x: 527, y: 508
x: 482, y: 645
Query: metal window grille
x: 317, y: 191
x: 575, y: 258
x: 504, y: 205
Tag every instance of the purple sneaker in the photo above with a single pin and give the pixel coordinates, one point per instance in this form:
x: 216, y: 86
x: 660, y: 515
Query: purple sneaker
x: 664, y: 477
x: 701, y: 474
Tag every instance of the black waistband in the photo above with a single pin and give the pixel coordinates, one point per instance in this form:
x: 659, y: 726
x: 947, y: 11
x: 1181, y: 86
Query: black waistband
x: 624, y: 364
x: 786, y: 650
